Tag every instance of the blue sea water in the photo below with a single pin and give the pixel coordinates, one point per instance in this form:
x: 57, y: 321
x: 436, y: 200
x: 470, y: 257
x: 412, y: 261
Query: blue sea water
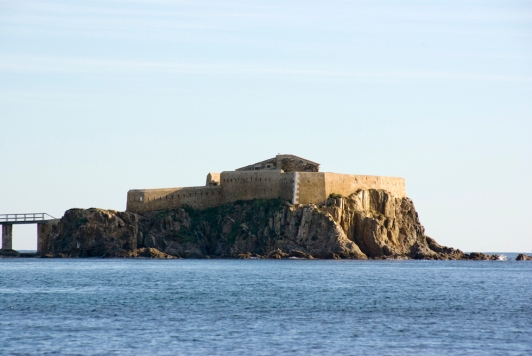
x: 264, y: 307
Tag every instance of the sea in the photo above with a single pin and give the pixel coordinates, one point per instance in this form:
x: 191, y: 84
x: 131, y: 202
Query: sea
x: 264, y: 307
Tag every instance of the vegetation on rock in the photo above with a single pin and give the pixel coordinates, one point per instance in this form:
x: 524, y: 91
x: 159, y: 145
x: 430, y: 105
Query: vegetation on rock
x: 367, y: 224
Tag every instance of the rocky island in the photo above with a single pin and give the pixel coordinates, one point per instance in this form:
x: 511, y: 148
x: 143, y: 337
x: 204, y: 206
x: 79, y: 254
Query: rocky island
x: 279, y: 208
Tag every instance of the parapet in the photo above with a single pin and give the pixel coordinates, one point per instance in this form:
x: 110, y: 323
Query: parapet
x: 247, y: 185
x: 143, y: 200
x: 287, y: 177
x: 314, y: 188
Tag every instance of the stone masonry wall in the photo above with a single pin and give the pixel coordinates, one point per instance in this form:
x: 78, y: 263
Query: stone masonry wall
x: 212, y: 179
x: 346, y: 184
x: 310, y: 188
x: 296, y: 187
x: 247, y: 185
x: 142, y: 200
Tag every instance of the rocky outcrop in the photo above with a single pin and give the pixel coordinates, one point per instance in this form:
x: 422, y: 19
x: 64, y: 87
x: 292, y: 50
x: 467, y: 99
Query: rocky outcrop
x: 523, y: 257
x: 9, y: 253
x: 91, y: 233
x: 148, y: 253
x: 368, y: 224
x: 384, y: 226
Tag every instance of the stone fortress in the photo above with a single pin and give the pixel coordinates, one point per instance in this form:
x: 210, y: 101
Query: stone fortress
x: 288, y: 177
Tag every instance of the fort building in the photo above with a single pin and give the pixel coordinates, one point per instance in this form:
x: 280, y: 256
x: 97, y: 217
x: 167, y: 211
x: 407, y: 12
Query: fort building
x: 288, y: 177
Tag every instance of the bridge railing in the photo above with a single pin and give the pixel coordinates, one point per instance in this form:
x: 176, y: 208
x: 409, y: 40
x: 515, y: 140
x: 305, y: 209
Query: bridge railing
x: 29, y: 217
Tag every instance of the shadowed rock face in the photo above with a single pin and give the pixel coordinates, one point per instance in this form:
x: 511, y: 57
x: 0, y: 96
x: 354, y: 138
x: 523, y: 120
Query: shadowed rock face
x: 523, y: 257
x: 91, y: 233
x: 367, y: 224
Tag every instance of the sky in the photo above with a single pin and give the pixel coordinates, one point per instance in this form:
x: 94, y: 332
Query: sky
x: 99, y: 97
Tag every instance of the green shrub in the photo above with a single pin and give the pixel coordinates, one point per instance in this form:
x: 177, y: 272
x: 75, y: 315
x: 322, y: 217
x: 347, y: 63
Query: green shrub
x: 80, y: 222
x: 183, y: 236
x: 335, y: 196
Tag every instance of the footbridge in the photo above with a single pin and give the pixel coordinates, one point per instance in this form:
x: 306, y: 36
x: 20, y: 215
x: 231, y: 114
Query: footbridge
x: 8, y: 220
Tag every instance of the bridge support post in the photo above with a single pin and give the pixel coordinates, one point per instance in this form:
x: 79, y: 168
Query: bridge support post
x: 42, y: 230
x: 7, y: 236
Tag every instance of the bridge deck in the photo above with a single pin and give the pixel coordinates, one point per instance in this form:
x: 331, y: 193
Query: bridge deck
x: 29, y: 218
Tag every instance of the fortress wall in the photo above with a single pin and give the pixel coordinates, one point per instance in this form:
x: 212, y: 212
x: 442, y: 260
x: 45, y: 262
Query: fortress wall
x: 142, y: 200
x: 248, y: 185
x: 310, y: 188
x: 296, y: 187
x: 212, y: 177
x: 346, y: 184
x: 287, y: 186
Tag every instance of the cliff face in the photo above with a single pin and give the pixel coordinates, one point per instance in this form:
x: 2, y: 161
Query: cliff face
x: 367, y: 224
x: 383, y: 225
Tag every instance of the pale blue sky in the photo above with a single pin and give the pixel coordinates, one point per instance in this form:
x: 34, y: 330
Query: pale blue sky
x: 99, y: 97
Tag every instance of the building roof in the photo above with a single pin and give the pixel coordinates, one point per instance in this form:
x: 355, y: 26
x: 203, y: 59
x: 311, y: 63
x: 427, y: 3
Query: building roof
x: 294, y: 156
x: 289, y: 156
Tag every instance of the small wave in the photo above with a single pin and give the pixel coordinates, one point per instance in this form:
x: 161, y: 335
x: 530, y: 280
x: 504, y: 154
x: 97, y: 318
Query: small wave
x: 502, y: 258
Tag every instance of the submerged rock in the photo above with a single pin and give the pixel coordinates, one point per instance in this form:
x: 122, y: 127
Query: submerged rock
x: 367, y: 224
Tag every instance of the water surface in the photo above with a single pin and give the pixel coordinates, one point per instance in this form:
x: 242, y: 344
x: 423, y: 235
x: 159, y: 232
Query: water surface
x: 264, y: 307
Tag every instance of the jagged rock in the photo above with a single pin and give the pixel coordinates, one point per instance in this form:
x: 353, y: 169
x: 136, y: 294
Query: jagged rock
x: 383, y: 225
x: 444, y: 253
x: 148, y: 253
x: 92, y: 233
x: 477, y: 256
x: 332, y: 256
x: 248, y: 255
x: 523, y: 257
x: 299, y: 254
x: 277, y: 254
x: 9, y: 253
x: 367, y: 224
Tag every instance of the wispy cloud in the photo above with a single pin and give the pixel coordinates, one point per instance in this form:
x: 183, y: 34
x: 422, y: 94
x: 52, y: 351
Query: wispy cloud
x: 92, y: 18
x: 70, y: 65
